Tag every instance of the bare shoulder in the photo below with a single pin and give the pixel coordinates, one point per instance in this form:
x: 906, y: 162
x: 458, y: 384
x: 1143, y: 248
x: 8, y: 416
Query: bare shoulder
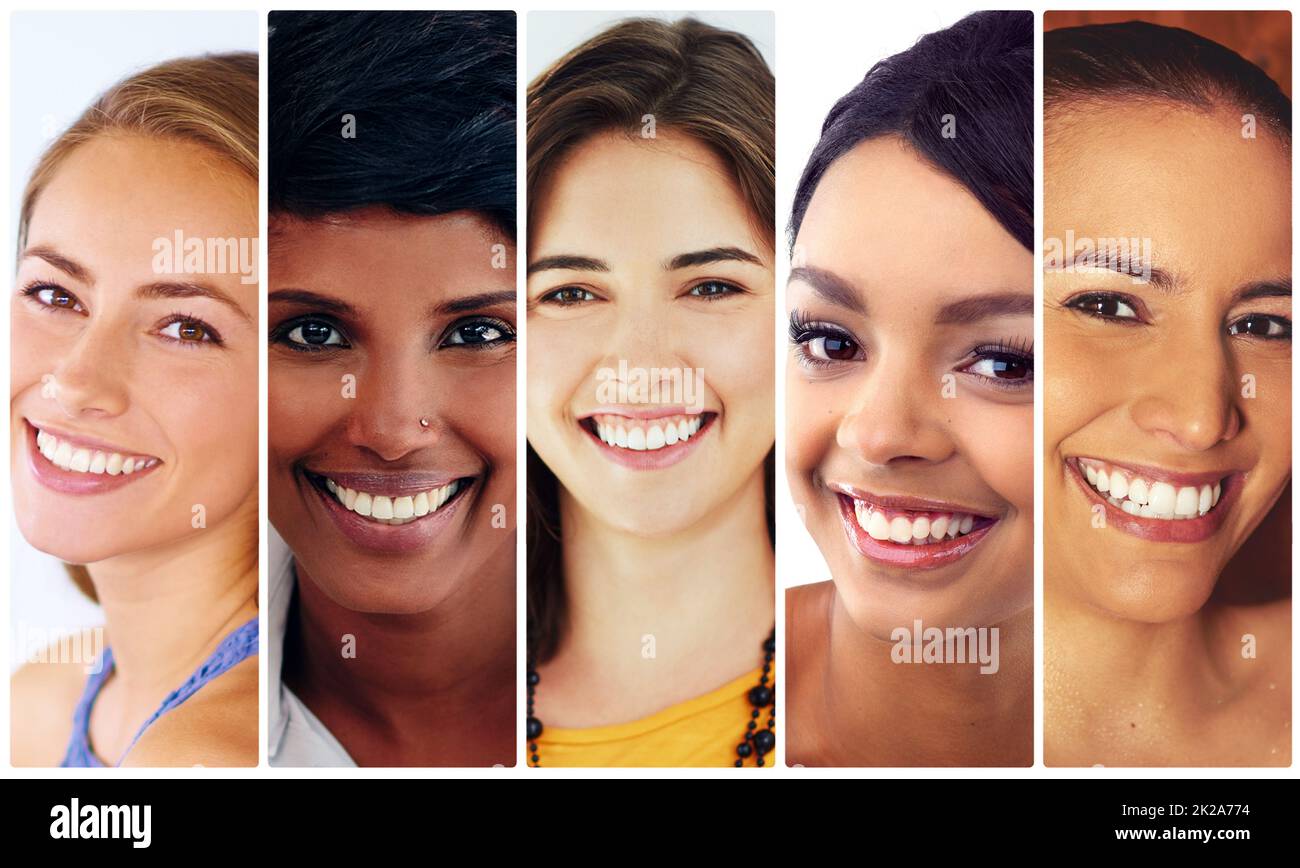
x: 217, y: 726
x: 805, y: 631
x: 43, y: 695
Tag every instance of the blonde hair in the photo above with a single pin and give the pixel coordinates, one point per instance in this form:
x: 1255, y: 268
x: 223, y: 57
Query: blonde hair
x: 209, y: 100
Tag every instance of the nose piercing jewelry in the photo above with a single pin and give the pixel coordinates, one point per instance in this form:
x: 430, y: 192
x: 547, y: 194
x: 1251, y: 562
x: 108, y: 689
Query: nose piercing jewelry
x: 424, y: 423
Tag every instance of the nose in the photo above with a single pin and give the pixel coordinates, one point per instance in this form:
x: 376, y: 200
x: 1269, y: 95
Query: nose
x: 641, y: 347
x: 91, y: 379
x: 895, y: 419
x: 393, y: 396
x: 1192, y: 403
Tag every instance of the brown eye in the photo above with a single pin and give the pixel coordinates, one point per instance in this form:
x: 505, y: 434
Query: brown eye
x: 834, y: 348
x: 189, y: 331
x: 1261, y: 326
x: 57, y: 297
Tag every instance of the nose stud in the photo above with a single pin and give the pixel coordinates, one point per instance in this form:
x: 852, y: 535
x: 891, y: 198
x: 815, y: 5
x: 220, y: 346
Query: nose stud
x: 424, y: 423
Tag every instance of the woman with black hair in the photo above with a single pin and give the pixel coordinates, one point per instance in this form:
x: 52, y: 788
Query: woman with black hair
x: 1167, y: 425
x: 909, y: 407
x: 392, y: 388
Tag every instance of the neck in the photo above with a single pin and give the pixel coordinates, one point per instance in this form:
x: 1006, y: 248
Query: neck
x: 693, y: 590
x: 1104, y: 657
x: 165, y: 608
x: 454, y: 657
x: 939, y: 709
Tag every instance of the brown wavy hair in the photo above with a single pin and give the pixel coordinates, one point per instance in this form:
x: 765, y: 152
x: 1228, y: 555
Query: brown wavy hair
x: 708, y: 83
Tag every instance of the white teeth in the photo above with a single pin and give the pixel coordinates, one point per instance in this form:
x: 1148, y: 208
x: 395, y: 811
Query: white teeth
x: 64, y: 455
x: 391, y: 510
x: 648, y: 436
x: 924, y: 529
x: 1118, y: 485
x: 1186, y: 502
x: 1137, y: 496
x: 1163, y: 498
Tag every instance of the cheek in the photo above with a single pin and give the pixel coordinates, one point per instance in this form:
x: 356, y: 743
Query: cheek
x: 998, y: 440
x: 207, y: 414
x: 301, y: 404
x: 812, y: 414
x: 737, y: 358
x: 560, y: 358
x: 1069, y: 396
x: 487, y: 422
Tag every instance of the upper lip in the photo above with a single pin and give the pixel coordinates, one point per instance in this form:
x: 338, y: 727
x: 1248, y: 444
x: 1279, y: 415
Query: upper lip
x: 396, y: 483
x: 1152, y: 473
x: 86, y: 441
x: 906, y: 502
x: 641, y: 411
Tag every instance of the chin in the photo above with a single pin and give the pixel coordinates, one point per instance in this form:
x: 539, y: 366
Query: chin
x: 1156, y: 592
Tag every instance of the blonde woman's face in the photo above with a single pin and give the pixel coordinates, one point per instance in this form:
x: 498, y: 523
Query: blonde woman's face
x: 650, y: 316
x: 1168, y: 392
x: 133, y: 407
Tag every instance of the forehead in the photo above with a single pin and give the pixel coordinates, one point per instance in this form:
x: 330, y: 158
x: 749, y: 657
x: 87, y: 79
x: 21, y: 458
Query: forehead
x: 884, y: 217
x: 617, y: 196
x: 373, y: 255
x: 112, y: 196
x: 1187, y: 179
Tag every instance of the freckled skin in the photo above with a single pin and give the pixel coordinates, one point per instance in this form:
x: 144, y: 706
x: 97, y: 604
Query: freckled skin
x: 911, y: 240
x: 1136, y: 644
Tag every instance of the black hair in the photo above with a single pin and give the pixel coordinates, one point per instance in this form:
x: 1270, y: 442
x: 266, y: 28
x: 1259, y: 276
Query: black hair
x: 1143, y: 61
x: 980, y: 71
x: 432, y: 95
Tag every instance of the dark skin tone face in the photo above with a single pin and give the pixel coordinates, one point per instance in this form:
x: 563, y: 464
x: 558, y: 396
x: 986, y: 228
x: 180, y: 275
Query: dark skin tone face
x: 418, y: 314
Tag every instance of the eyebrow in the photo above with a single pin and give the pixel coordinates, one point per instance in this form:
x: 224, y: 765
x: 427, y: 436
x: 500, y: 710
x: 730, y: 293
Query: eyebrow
x: 1280, y: 288
x: 476, y: 302
x: 830, y: 287
x: 979, y: 307
x: 1161, y: 279
x: 172, y: 289
x: 314, y: 299
x: 68, y: 266
x: 710, y: 256
x: 567, y: 262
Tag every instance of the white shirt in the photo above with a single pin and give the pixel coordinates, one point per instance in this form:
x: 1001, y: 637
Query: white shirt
x: 296, y: 737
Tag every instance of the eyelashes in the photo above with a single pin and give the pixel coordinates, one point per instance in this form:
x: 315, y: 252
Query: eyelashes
x: 182, y: 329
x: 574, y: 296
x: 1005, y: 364
x: 316, y: 333
x: 1126, y: 310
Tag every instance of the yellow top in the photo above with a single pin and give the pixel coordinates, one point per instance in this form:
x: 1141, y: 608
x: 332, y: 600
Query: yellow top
x: 699, y: 732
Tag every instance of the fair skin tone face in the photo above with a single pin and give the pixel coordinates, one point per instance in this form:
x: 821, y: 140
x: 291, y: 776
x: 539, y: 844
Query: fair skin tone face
x: 420, y: 312
x: 924, y: 394
x: 106, y: 349
x: 614, y: 277
x: 1143, y: 666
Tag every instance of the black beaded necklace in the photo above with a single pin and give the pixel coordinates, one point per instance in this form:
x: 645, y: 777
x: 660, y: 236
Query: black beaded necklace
x: 757, y: 743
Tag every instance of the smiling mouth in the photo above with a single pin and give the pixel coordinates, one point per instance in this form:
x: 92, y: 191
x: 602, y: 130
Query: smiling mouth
x: 71, y: 456
x: 910, y: 533
x: 392, y: 508
x: 1143, y: 494
x: 647, y: 443
x: 915, y: 528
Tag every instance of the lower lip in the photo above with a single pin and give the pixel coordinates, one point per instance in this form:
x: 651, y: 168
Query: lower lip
x: 1178, y: 530
x: 651, y: 459
x: 63, y: 481
x: 389, y: 538
x: 891, y: 554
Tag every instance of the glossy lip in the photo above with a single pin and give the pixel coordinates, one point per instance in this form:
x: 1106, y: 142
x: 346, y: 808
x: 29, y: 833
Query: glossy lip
x: 908, y: 556
x: 387, y: 538
x: 389, y: 484
x: 1186, y: 530
x: 63, y: 481
x: 653, y: 459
